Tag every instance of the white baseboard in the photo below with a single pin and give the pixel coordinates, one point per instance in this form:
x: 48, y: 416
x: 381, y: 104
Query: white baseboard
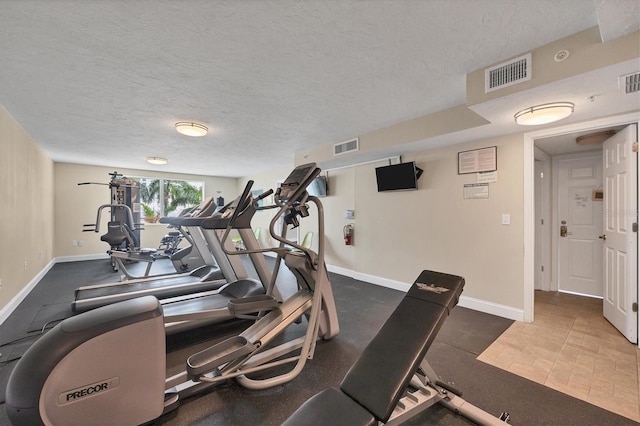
x: 371, y: 279
x: 492, y: 308
x: 18, y: 298
x: 81, y: 257
x: 466, y: 302
x: 383, y: 282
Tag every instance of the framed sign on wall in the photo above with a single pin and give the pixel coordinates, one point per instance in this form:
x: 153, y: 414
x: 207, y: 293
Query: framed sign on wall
x: 478, y: 160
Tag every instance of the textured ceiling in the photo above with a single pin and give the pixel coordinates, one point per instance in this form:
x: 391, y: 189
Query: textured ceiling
x: 103, y: 82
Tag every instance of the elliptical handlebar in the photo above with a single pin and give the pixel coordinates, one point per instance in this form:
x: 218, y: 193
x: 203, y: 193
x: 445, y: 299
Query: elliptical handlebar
x: 262, y: 196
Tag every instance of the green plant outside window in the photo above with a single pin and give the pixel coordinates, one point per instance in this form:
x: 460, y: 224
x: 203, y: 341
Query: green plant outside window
x: 168, y: 197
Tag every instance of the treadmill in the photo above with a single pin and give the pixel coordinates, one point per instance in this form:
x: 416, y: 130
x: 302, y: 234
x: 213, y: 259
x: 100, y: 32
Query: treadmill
x: 235, y: 300
x: 196, y: 253
x: 203, y: 279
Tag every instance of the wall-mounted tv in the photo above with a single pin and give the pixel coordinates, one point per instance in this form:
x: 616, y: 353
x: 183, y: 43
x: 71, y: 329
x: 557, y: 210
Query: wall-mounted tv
x: 318, y: 187
x: 398, y: 177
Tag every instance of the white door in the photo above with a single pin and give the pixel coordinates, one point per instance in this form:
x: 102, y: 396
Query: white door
x: 621, y: 244
x: 579, y: 247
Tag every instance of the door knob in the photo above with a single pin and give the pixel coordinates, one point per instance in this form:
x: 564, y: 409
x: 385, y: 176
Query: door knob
x: 603, y: 237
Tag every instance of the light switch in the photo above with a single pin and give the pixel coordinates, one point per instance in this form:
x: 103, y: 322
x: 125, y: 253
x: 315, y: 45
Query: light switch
x: 506, y: 219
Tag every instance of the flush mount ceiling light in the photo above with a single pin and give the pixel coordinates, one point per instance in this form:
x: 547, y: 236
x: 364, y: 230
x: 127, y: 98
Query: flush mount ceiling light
x: 157, y: 160
x: 543, y: 114
x: 191, y: 129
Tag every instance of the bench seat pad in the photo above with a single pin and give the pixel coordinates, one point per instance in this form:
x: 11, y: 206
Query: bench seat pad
x: 330, y: 407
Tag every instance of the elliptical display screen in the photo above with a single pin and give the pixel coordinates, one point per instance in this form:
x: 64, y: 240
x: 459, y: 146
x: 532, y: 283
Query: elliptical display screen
x: 301, y: 175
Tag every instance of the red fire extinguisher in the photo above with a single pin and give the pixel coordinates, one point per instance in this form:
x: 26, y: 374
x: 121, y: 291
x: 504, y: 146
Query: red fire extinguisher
x: 348, y: 234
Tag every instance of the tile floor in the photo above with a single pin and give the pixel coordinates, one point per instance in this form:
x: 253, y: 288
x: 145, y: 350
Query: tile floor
x: 571, y: 348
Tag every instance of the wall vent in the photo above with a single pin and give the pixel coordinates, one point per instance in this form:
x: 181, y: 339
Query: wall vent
x: 346, y: 146
x: 629, y: 83
x: 508, y: 73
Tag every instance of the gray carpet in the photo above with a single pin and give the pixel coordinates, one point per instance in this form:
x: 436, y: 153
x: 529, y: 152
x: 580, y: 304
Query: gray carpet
x: 362, y: 310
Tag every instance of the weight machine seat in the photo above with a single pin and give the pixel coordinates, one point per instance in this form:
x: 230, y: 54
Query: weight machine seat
x: 380, y: 377
x: 115, y: 236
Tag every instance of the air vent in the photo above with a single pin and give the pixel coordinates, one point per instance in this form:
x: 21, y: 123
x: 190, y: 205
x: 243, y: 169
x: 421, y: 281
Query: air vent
x: 629, y: 83
x: 344, y: 147
x: 508, y: 73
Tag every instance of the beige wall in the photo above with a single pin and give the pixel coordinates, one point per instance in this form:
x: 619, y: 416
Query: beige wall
x: 26, y: 210
x: 343, y: 194
x: 77, y: 205
x: 398, y: 234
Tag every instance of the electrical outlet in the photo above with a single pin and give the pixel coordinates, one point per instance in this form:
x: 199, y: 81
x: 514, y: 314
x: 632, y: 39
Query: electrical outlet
x: 74, y: 243
x: 80, y: 243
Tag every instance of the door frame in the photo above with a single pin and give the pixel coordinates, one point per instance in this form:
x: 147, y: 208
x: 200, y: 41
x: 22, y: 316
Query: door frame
x: 544, y: 236
x: 529, y: 139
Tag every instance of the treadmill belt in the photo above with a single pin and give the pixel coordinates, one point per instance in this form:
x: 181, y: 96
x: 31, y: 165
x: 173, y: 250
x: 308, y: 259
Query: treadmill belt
x: 92, y: 298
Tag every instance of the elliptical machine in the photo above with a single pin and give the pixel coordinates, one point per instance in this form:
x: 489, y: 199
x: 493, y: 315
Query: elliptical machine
x: 114, y: 356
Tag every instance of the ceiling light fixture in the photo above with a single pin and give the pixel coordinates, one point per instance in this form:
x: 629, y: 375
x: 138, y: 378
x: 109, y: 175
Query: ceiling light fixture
x: 191, y: 129
x: 543, y: 114
x: 157, y: 160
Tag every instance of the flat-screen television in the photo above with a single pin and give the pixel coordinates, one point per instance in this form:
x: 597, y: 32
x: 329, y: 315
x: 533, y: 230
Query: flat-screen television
x: 318, y: 187
x: 398, y: 177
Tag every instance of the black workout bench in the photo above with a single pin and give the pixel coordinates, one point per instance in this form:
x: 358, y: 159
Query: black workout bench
x: 392, y: 382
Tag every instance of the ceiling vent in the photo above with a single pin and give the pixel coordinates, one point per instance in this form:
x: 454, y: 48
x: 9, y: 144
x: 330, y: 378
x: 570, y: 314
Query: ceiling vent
x: 344, y: 147
x: 629, y: 83
x: 508, y: 73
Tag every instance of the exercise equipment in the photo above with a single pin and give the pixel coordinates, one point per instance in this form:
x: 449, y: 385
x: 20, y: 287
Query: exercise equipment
x: 125, y: 246
x: 184, y: 259
x: 123, y: 237
x: 205, y: 281
x: 194, y: 255
x: 203, y: 308
x: 392, y: 381
x: 124, y: 226
x: 169, y: 244
x: 108, y: 364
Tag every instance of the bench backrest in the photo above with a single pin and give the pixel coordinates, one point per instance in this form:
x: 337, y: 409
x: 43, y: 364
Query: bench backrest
x: 381, y: 375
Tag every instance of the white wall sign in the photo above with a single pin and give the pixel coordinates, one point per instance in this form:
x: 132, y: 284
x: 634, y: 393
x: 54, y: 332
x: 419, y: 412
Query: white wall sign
x: 475, y: 191
x: 487, y: 177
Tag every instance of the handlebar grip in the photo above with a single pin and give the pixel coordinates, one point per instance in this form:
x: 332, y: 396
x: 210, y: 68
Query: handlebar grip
x: 263, y: 195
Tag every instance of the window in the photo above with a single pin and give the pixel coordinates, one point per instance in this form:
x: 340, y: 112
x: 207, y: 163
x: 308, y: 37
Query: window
x: 168, y: 197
